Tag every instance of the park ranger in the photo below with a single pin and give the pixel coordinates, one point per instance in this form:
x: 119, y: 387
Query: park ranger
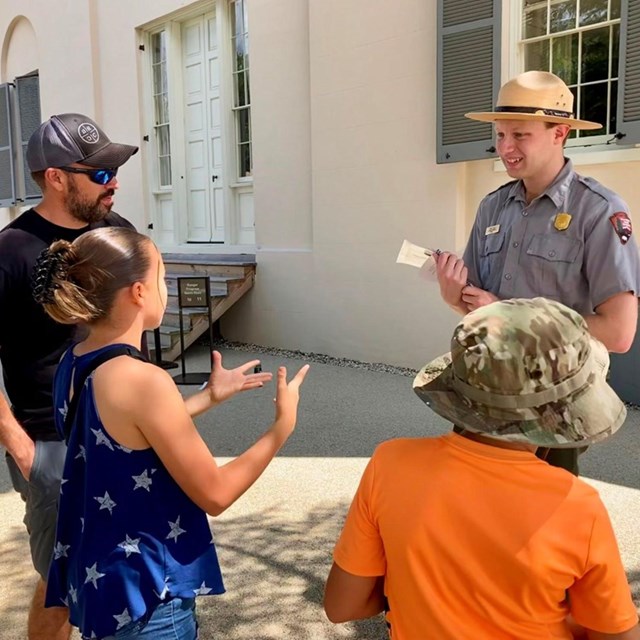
x: 550, y: 232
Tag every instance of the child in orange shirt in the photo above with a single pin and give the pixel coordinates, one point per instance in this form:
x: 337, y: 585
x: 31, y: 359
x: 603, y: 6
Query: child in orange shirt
x: 469, y: 535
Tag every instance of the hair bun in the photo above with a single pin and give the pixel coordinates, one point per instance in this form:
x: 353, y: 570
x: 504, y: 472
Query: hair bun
x: 50, y: 267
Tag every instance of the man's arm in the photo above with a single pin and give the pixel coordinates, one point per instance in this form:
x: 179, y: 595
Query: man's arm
x: 15, y: 439
x: 349, y: 597
x: 615, y: 321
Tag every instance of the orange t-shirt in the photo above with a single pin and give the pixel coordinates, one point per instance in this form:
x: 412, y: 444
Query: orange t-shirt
x: 477, y: 542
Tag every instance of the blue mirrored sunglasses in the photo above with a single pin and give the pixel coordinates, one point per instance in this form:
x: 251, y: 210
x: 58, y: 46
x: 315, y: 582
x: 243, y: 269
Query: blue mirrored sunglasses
x: 99, y: 176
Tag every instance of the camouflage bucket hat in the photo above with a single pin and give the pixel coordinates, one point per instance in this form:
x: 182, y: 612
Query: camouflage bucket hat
x: 525, y: 371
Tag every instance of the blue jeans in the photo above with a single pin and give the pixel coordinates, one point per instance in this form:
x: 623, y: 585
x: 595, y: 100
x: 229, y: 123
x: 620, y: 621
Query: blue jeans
x: 172, y: 620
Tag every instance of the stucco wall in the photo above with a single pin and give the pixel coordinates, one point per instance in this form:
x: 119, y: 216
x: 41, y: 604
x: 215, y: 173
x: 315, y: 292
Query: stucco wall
x: 373, y: 183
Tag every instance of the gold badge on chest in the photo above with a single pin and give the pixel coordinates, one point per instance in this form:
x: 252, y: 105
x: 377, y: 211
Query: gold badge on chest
x: 562, y: 221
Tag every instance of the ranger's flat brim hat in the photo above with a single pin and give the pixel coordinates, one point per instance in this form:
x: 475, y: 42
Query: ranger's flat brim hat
x: 524, y: 371
x: 535, y: 95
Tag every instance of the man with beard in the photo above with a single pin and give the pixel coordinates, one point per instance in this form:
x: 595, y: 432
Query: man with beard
x: 75, y: 165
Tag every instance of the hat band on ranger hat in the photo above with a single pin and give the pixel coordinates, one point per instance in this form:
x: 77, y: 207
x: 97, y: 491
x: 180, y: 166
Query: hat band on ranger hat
x: 535, y: 110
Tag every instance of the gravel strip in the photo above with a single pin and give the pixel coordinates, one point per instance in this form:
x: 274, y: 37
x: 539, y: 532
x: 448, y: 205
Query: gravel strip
x: 380, y: 367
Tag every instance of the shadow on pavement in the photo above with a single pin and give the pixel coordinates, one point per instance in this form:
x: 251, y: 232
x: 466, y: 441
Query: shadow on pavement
x: 274, y: 571
x: 18, y: 581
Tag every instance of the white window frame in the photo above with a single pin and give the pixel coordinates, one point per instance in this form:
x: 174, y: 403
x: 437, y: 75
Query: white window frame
x: 513, y: 64
x: 235, y: 185
x: 239, y: 180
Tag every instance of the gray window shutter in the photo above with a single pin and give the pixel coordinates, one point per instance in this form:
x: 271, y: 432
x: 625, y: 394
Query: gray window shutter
x: 28, y: 109
x: 7, y: 177
x: 469, y: 41
x: 628, y: 119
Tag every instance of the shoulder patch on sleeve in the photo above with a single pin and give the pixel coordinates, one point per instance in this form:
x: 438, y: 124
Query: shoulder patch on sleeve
x: 621, y: 225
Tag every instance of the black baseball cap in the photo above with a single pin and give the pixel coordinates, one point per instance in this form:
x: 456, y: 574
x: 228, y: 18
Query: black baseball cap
x: 72, y: 137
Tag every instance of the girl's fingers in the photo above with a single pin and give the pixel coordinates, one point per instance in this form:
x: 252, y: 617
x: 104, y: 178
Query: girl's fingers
x: 248, y: 365
x: 298, y: 379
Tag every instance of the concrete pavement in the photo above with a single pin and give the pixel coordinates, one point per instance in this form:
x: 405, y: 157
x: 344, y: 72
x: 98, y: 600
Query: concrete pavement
x: 275, y: 544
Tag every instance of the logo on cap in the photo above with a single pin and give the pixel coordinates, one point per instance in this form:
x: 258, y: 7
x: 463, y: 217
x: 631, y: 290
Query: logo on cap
x: 88, y: 133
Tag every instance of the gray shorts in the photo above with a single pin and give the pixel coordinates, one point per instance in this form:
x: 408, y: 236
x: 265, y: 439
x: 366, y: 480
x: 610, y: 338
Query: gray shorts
x: 40, y: 495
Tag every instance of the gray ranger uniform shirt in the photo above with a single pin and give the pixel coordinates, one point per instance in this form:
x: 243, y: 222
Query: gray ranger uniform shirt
x: 572, y: 244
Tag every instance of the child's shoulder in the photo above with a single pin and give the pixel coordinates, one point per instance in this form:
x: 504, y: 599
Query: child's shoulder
x: 403, y: 447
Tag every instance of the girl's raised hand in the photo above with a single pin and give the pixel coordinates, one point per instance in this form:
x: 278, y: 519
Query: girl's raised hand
x: 287, y: 397
x: 224, y: 383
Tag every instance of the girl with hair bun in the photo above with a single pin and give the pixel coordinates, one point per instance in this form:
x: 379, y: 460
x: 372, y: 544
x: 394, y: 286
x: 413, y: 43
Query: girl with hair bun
x: 133, y: 545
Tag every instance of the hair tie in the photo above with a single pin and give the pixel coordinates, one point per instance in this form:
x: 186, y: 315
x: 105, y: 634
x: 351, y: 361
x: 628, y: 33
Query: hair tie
x: 49, y: 267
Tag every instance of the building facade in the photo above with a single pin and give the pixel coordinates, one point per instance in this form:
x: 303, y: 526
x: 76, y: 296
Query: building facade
x: 307, y: 132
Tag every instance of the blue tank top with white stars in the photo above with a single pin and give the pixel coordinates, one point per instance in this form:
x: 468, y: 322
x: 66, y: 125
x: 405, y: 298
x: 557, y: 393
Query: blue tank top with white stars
x: 128, y: 538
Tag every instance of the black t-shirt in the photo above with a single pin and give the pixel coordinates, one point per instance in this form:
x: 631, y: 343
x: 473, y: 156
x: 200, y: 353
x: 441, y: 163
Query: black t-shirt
x: 31, y: 343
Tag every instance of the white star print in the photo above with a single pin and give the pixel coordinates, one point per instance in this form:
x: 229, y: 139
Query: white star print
x: 60, y: 550
x: 162, y: 595
x: 93, y: 575
x: 175, y: 530
x: 125, y: 449
x: 203, y: 590
x: 143, y: 481
x: 106, y: 502
x: 101, y: 438
x: 73, y: 592
x: 82, y: 522
x: 82, y: 454
x: 62, y: 483
x: 63, y: 410
x: 130, y: 545
x: 65, y: 601
x: 123, y: 619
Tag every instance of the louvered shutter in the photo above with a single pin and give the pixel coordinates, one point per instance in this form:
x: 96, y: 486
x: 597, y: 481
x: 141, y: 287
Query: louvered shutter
x: 629, y: 80
x: 7, y: 177
x: 469, y: 41
x: 28, y: 106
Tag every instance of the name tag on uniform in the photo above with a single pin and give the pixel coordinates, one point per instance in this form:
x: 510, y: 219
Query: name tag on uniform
x: 489, y: 231
x: 562, y: 221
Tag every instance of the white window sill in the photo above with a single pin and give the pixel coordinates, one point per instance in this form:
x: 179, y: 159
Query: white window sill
x: 583, y: 157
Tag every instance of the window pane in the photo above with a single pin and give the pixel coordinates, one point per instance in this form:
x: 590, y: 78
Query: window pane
x: 535, y: 21
x: 246, y: 87
x: 164, y: 146
x: 162, y: 108
x: 239, y: 47
x: 245, y: 160
x: 245, y: 16
x: 615, y: 51
x: 592, y: 12
x: 615, y: 9
x: 565, y: 58
x: 238, y: 27
x: 536, y: 56
x: 563, y: 16
x: 157, y: 78
x: 159, y: 46
x: 613, y: 126
x: 165, y: 171
x: 244, y: 133
x: 239, y: 92
x: 246, y: 52
x: 593, y: 106
x: 595, y: 54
